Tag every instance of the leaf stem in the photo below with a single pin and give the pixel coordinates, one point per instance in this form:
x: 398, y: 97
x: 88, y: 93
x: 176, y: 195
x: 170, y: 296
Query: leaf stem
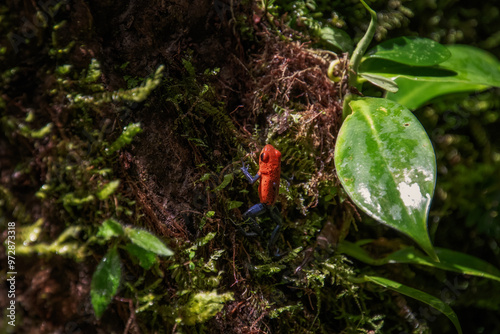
x: 356, y: 58
x: 362, y: 46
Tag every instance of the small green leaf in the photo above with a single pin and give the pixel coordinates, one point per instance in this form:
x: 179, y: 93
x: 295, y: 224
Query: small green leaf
x: 386, y: 164
x: 145, y: 258
x: 108, y: 189
x: 227, y: 179
x: 110, y: 228
x: 415, y: 51
x: 448, y: 260
x: 336, y: 38
x: 105, y: 281
x: 380, y: 81
x: 206, y: 239
x: 205, y: 177
x: 148, y: 241
x: 418, y: 295
x: 234, y: 205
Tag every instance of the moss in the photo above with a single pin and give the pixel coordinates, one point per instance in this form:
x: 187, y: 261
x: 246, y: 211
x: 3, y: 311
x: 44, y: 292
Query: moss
x: 203, y: 306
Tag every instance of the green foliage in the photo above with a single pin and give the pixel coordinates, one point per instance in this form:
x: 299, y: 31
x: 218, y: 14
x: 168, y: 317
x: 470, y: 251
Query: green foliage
x: 197, y: 278
x: 196, y: 103
x: 110, y: 228
x: 143, y: 247
x: 326, y: 292
x: 108, y: 189
x: 99, y: 96
x: 144, y: 257
x: 308, y: 16
x: 381, y: 144
x: 467, y: 69
x: 448, y: 259
x: 386, y: 163
x: 105, y: 281
x: 203, y: 306
x: 147, y: 241
x: 412, y: 51
x: 128, y: 134
x: 419, y: 295
x: 80, y: 185
x: 66, y: 243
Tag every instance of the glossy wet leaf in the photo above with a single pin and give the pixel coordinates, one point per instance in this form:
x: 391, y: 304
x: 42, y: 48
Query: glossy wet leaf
x: 415, y: 51
x: 386, y: 164
x: 448, y: 260
x: 105, y: 281
x: 382, y: 82
x: 467, y: 64
x: 426, y: 298
x: 468, y: 69
x: 148, y: 241
x: 413, y: 94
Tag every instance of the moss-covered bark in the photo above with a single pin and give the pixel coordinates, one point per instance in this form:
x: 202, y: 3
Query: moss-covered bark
x: 140, y: 112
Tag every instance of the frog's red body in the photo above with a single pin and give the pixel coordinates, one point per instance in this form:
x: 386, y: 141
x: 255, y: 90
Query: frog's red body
x: 269, y: 174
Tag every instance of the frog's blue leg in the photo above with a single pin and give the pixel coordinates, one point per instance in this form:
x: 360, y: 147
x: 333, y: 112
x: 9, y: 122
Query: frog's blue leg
x: 251, y: 179
x: 276, y: 217
x: 255, y: 211
x: 249, y: 215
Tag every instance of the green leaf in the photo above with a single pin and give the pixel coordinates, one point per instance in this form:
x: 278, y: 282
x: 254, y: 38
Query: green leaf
x: 108, y: 189
x: 382, y: 82
x: 105, y: 281
x: 415, y: 51
x: 413, y: 94
x: 148, y: 241
x: 227, y: 179
x: 110, y: 228
x: 468, y: 69
x: 448, y: 260
x: 145, y: 258
x: 205, y: 240
x: 466, y: 264
x: 418, y: 295
x: 337, y: 38
x: 234, y: 205
x: 386, y: 164
x: 466, y: 64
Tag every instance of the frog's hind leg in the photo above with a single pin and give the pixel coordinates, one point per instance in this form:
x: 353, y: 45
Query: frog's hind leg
x: 276, y: 217
x: 249, y: 217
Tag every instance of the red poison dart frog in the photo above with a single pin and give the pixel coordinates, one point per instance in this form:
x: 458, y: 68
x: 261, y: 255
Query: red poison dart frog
x: 269, y: 175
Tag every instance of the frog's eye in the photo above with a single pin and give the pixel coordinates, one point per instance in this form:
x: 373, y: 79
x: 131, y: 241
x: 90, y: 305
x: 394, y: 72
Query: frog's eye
x: 264, y: 157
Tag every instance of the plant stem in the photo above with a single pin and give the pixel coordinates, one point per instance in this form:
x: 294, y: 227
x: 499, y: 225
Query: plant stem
x: 362, y: 46
x: 356, y: 58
